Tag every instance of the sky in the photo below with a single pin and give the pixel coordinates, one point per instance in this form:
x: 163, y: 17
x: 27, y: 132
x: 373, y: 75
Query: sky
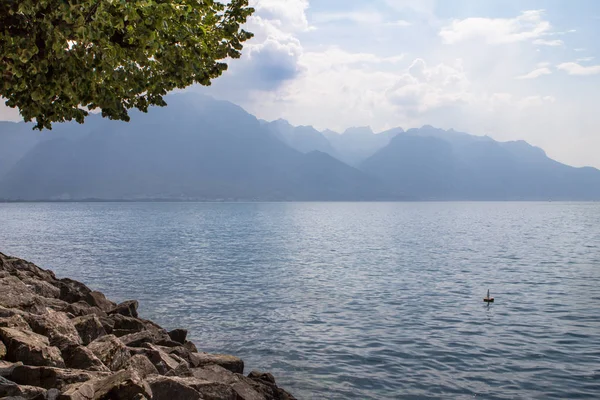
x: 510, y: 69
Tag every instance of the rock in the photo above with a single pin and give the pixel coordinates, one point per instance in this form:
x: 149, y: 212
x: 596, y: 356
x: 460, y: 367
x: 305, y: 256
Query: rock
x: 127, y: 308
x: 7, y: 367
x: 107, y: 323
x: 81, y: 308
x: 9, y: 388
x: 127, y: 323
x: 169, y: 388
x: 139, y: 338
x: 14, y: 321
x: 30, y: 348
x: 56, y: 326
x: 80, y: 357
x: 98, y: 299
x: 178, y: 335
x: 89, y: 328
x: 72, y: 291
x: 183, y: 369
x: 42, y: 288
x: 265, y: 384
x: 142, y: 366
x: 2, y: 350
x: 242, y: 386
x: 160, y: 359
x: 261, y: 376
x: 124, y: 385
x: 191, y: 347
x: 232, y: 363
x: 15, y: 294
x: 111, y: 351
x: 48, y: 377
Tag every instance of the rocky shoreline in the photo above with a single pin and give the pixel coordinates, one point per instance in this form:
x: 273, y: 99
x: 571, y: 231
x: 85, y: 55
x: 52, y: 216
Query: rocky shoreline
x: 60, y: 340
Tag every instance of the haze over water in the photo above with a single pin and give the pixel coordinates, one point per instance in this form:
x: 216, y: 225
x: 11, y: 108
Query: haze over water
x: 350, y: 300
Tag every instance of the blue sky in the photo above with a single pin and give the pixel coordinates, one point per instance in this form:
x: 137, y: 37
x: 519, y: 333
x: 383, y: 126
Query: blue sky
x: 509, y: 69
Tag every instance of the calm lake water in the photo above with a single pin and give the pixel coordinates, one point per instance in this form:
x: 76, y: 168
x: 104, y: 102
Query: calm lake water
x: 351, y: 300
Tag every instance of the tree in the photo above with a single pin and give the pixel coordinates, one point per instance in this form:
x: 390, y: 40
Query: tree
x: 61, y: 58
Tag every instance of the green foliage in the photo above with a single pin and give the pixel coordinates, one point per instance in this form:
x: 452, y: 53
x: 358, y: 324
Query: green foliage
x: 59, y: 58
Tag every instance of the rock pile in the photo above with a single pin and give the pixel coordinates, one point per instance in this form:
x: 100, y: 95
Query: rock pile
x: 60, y: 340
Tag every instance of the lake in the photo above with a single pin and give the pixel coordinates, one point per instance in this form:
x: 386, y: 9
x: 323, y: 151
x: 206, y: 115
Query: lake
x: 350, y: 300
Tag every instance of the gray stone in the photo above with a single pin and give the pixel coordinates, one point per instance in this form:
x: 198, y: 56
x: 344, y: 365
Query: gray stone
x: 123, y: 385
x: 48, y: 377
x: 89, y: 328
x: 140, y: 364
x: 169, y: 388
x: 14, y: 321
x: 56, y: 326
x: 178, y: 335
x: 80, y: 357
x: 11, y: 389
x: 160, y: 359
x: 127, y: 308
x: 30, y: 348
x: 81, y: 308
x: 232, y: 363
x: 111, y: 351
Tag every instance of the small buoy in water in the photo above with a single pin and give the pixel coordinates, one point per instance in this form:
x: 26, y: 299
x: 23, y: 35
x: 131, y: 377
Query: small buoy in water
x: 488, y: 299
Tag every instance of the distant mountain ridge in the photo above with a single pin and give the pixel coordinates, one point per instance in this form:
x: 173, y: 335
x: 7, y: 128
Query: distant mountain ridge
x: 199, y: 148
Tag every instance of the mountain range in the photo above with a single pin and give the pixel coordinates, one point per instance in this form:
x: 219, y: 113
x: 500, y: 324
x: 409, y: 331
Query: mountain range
x: 198, y: 148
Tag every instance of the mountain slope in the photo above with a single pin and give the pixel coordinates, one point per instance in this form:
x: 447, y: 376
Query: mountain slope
x: 448, y: 165
x: 302, y: 138
x: 196, y: 148
x: 357, y: 144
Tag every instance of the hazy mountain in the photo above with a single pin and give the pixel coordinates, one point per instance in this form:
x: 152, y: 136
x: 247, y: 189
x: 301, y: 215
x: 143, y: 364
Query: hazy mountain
x: 302, y: 138
x: 357, y: 144
x: 196, y: 148
x: 435, y: 164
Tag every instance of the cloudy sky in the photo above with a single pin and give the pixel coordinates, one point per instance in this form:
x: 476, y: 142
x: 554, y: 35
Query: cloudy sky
x: 511, y: 69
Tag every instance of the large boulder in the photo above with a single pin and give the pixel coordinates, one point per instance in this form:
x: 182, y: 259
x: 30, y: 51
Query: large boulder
x: 178, y: 335
x: 2, y: 350
x: 242, y: 386
x: 30, y: 348
x: 15, y: 294
x: 14, y: 321
x: 127, y: 308
x: 81, y: 308
x: 111, y: 351
x: 169, y: 388
x: 89, y: 328
x: 232, y: 363
x: 10, y: 389
x: 97, y: 299
x: 79, y: 357
x: 142, y: 365
x: 160, y: 359
x: 127, y: 324
x: 124, y: 385
x: 48, y: 377
x: 56, y: 326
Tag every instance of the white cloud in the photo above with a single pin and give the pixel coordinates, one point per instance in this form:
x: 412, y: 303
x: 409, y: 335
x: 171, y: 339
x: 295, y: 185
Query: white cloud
x: 585, y: 59
x: 543, y: 64
x: 535, y: 73
x: 544, y: 42
x: 529, y: 25
x: 573, y: 68
x: 579, y: 49
x: 285, y: 14
x: 359, y: 17
x: 401, y: 23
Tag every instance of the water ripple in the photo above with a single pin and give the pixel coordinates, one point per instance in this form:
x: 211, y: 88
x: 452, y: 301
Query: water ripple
x: 342, y: 300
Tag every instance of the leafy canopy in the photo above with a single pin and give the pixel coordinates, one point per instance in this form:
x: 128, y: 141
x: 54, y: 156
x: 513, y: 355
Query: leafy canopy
x: 60, y: 58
